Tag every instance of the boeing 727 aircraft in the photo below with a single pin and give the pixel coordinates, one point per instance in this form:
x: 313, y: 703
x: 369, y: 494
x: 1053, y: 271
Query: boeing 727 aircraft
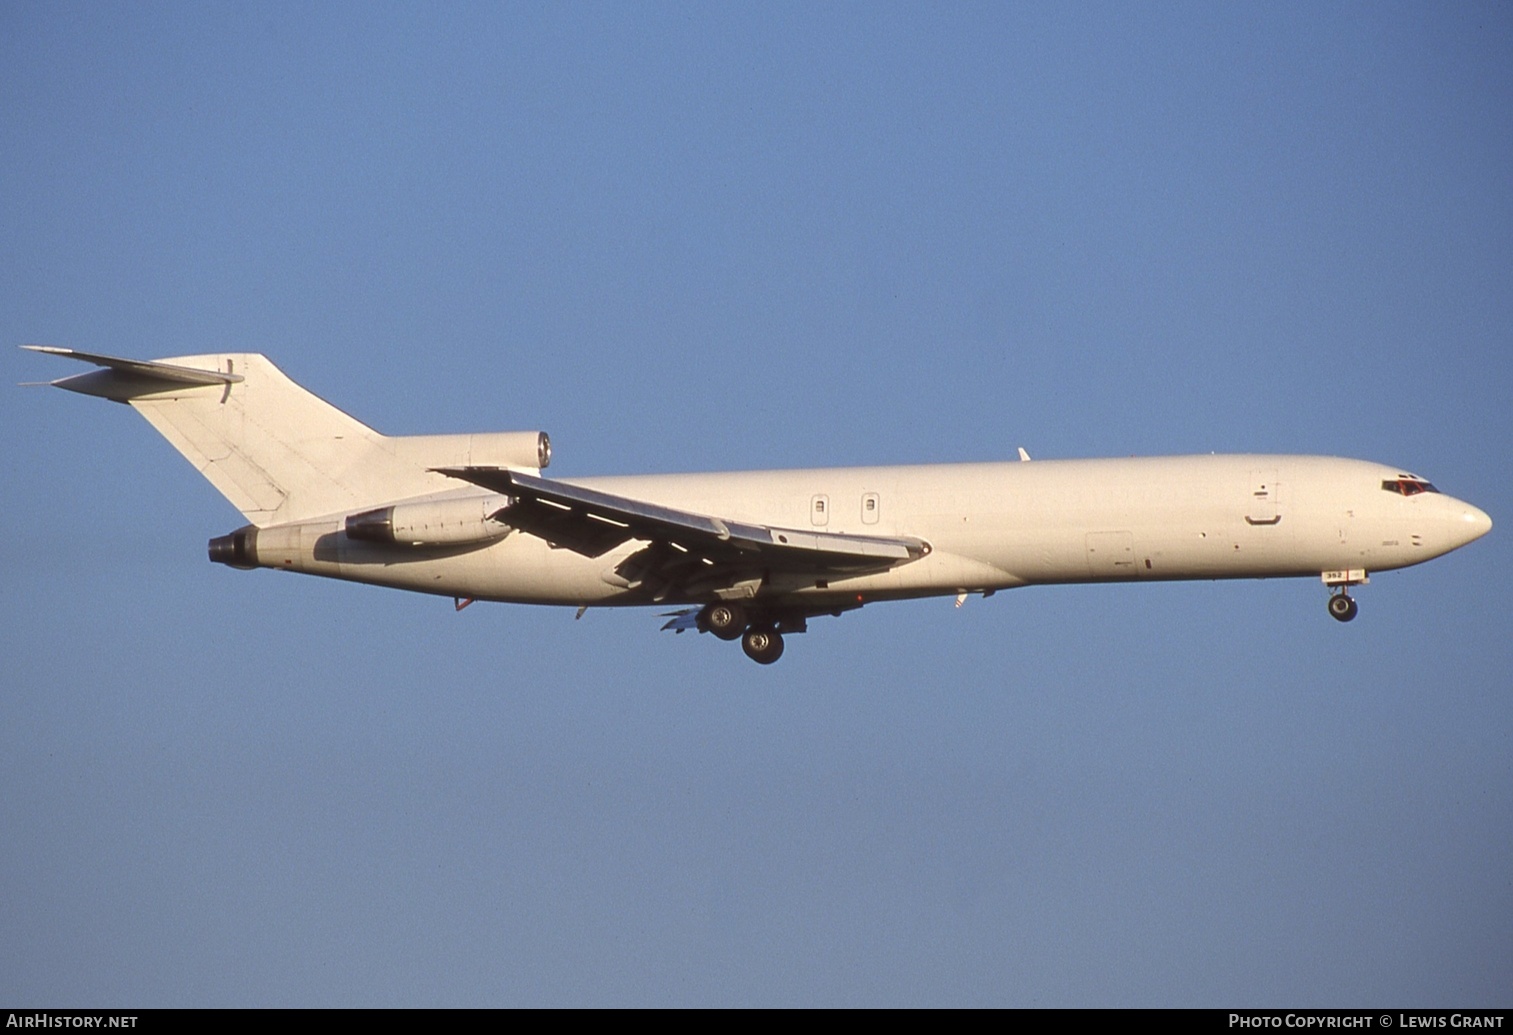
x: 750, y: 555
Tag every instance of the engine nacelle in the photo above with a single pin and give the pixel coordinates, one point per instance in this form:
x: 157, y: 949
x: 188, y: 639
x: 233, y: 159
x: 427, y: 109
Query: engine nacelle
x: 237, y: 550
x: 431, y: 522
x: 493, y: 449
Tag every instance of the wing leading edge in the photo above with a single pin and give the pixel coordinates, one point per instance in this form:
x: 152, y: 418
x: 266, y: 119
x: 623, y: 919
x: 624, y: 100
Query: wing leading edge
x: 686, y: 552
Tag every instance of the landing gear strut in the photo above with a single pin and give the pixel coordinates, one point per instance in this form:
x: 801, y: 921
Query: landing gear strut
x: 1342, y: 606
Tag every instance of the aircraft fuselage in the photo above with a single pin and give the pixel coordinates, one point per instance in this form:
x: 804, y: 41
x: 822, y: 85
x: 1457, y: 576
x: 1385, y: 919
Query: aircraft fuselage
x: 989, y: 526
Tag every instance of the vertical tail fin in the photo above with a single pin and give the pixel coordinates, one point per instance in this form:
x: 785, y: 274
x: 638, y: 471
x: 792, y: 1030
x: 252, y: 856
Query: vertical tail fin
x: 278, y: 452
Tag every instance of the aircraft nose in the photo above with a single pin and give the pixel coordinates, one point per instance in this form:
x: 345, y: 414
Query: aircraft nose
x: 1473, y: 523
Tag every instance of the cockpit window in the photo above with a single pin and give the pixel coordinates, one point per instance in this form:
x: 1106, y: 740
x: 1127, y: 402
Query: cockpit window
x: 1408, y: 486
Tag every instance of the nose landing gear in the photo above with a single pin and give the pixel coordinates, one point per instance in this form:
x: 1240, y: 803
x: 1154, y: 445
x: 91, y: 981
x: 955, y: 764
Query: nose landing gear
x: 1342, y: 606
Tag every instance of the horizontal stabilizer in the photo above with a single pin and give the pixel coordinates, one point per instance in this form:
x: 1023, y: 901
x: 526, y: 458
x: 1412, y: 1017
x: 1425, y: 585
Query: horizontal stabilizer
x: 140, y: 370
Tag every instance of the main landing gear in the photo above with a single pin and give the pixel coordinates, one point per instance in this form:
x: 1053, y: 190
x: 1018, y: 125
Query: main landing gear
x: 762, y: 644
x: 1342, y: 606
x: 759, y: 636
x: 727, y: 621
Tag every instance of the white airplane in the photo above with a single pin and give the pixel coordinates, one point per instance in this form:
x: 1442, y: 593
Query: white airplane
x: 750, y: 555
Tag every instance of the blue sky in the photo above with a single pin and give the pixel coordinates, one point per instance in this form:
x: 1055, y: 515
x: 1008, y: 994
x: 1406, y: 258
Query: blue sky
x: 686, y: 237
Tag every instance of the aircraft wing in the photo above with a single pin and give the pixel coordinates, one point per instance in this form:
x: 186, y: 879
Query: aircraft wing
x: 686, y: 551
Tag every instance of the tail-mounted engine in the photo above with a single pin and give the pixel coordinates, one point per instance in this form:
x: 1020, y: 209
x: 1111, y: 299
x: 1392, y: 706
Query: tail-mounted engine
x: 237, y: 550
x: 431, y: 522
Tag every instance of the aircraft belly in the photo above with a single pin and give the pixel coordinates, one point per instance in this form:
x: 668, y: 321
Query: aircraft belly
x: 517, y: 569
x: 941, y: 572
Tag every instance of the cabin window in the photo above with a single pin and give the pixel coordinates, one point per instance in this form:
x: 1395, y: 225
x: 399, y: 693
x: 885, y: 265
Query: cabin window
x: 1407, y: 486
x: 819, y: 510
